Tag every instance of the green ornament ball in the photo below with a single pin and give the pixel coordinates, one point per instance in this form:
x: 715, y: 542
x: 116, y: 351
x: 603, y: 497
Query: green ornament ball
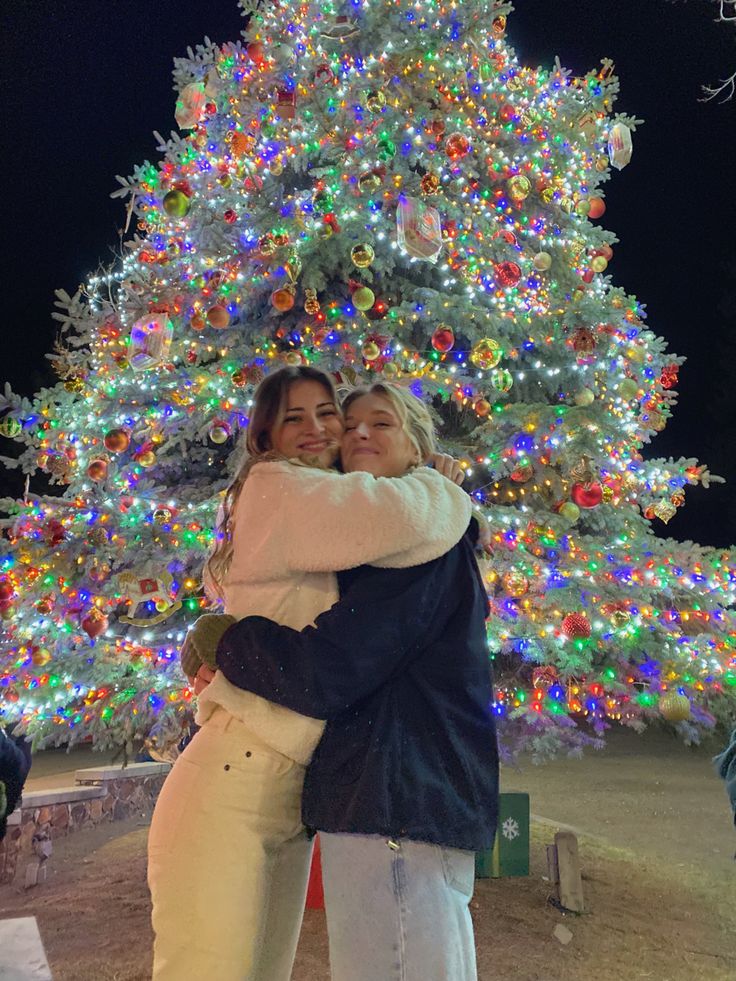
x: 177, y: 204
x: 364, y: 298
x: 628, y: 388
x: 10, y: 427
x: 502, y: 379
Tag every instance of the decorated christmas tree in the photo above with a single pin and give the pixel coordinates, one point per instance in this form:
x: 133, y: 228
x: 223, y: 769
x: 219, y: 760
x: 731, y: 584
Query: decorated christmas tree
x: 383, y: 191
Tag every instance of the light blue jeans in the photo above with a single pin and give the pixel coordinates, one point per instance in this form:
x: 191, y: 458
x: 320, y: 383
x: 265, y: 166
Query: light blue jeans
x: 397, y: 910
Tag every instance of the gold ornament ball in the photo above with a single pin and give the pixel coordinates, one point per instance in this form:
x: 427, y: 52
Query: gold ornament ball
x: 570, y: 512
x: 74, y: 385
x: 293, y: 358
x: 515, y: 584
x: 369, y: 181
x: 41, y: 657
x: 607, y: 494
x: 276, y: 167
x: 239, y: 378
x: 674, y: 707
x: 176, y: 204
x: 486, y: 353
x: 219, y: 434
x: 599, y: 263
x: 547, y: 195
x: 430, y: 184
x: 482, y: 407
x: 146, y: 459
x: 585, y: 396
x: 162, y: 605
x: 391, y: 370
x: 657, y: 421
x: 362, y: 255
x: 370, y: 350
x: 162, y: 516
x: 542, y: 261
x: 375, y: 100
x: 364, y: 298
x: 619, y: 618
x: 518, y: 187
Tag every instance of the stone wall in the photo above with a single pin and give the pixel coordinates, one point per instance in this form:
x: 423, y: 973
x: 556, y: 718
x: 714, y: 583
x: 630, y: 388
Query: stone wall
x: 100, y: 794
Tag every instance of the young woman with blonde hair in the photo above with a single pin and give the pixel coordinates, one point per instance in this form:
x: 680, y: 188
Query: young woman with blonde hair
x: 403, y: 786
x: 228, y: 854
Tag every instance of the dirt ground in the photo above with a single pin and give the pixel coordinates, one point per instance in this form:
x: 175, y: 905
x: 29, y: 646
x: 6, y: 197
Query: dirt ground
x: 656, y: 842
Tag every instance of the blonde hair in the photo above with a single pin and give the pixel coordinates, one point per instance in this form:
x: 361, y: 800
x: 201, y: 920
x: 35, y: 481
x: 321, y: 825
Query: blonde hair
x: 412, y: 412
x: 268, y: 409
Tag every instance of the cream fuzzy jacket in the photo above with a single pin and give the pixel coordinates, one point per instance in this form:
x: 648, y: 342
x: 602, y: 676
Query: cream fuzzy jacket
x: 293, y: 528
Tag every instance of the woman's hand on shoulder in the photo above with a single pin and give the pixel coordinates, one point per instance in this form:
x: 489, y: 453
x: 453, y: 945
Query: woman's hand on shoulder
x: 448, y: 466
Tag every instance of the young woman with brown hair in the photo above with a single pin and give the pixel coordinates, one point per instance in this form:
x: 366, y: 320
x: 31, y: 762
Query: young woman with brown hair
x: 228, y: 855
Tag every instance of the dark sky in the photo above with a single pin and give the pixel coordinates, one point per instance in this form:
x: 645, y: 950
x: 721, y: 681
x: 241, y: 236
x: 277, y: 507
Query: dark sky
x: 84, y: 84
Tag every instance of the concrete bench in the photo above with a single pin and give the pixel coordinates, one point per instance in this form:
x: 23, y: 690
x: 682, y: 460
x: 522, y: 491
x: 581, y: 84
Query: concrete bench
x: 59, y: 795
x: 98, y: 774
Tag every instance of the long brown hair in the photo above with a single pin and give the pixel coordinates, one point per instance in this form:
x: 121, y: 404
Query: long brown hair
x: 268, y: 409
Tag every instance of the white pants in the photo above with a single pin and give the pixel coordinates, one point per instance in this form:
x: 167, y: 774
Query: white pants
x: 397, y: 911
x: 228, y: 860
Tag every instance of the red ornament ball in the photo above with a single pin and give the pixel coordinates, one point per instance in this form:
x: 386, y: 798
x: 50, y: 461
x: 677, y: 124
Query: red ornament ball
x: 508, y: 273
x: 575, y: 626
x: 256, y: 52
x: 587, y: 495
x: 218, y: 317
x: 443, y: 339
x: 283, y: 299
x: 597, y: 208
x: 230, y: 216
x: 6, y: 592
x: 457, y: 146
x: 97, y: 470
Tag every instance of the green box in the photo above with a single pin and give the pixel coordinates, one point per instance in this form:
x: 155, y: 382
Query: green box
x: 510, y: 853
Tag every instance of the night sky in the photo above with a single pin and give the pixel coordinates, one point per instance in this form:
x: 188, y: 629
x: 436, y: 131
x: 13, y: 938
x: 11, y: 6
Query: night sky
x: 84, y: 84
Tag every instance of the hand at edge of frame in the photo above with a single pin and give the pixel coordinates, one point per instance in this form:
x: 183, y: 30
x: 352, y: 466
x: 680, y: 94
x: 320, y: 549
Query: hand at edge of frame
x: 448, y: 466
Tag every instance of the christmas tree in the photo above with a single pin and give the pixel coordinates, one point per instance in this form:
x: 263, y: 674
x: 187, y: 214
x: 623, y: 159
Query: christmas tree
x: 383, y: 191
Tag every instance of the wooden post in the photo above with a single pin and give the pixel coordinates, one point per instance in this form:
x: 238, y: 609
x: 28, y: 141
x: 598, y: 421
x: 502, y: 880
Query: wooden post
x: 568, y: 865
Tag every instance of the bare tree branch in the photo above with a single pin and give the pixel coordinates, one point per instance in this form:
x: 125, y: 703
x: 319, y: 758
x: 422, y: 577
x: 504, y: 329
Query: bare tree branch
x: 727, y: 87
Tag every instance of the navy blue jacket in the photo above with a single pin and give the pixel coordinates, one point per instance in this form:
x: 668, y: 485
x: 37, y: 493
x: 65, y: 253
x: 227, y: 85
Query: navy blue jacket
x: 15, y: 762
x: 400, y: 669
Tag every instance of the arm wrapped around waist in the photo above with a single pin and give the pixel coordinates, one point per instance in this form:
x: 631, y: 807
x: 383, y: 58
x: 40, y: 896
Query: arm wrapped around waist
x: 200, y: 643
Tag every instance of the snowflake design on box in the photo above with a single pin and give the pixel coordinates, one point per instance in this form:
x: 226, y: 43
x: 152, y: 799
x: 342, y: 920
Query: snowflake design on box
x: 510, y: 829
